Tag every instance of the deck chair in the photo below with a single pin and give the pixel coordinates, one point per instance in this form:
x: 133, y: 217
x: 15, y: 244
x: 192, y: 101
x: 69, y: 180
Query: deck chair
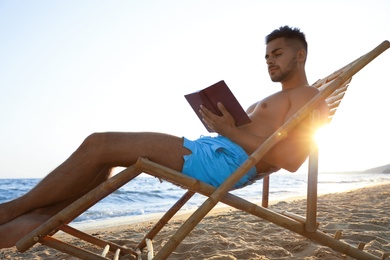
x: 332, y: 89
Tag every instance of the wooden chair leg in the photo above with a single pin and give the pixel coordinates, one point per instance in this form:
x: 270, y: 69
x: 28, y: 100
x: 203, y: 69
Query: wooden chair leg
x: 265, y: 198
x: 167, y: 216
x: 312, y: 181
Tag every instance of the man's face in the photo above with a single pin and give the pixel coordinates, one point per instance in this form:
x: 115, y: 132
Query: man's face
x: 281, y: 60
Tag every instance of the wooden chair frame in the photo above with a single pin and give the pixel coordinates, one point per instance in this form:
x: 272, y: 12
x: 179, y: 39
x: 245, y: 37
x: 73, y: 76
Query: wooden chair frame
x: 332, y: 89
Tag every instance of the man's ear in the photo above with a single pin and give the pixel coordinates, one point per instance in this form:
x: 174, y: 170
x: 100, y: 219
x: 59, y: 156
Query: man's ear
x: 301, y: 55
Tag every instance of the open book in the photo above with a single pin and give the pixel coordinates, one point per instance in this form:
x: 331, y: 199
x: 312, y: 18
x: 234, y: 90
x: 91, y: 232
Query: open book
x: 210, y: 96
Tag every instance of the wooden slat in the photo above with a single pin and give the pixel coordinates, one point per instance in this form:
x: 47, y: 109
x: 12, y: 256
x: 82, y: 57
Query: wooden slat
x: 96, y: 241
x: 70, y: 249
x: 341, y: 89
x: 105, y: 251
x: 335, y: 98
x: 385, y: 256
x: 149, y: 246
x: 117, y: 254
x: 338, y: 234
x: 322, y: 83
x: 139, y: 257
x: 334, y: 105
x: 361, y: 246
x: 332, y: 113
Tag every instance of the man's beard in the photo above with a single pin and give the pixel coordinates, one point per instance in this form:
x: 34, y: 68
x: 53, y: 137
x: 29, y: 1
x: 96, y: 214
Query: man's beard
x: 286, y: 73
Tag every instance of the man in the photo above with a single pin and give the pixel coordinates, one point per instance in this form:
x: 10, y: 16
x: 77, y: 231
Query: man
x: 210, y: 159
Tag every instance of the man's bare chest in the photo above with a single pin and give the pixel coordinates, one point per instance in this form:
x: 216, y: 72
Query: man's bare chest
x: 272, y: 109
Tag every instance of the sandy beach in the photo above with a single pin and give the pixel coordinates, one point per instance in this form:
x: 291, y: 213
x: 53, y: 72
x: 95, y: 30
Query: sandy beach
x: 362, y: 215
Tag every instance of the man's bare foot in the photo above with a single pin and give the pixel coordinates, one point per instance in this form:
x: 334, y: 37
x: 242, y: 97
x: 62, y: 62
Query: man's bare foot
x: 14, y: 230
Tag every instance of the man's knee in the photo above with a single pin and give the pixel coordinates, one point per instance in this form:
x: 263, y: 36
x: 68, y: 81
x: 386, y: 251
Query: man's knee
x: 96, y: 138
x: 93, y: 143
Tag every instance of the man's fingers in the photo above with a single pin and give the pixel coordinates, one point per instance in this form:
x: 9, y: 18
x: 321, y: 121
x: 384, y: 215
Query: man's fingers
x: 222, y: 108
x: 205, y: 112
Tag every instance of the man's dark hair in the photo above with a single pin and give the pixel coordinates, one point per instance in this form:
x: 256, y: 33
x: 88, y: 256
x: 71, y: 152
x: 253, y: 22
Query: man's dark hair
x: 288, y: 33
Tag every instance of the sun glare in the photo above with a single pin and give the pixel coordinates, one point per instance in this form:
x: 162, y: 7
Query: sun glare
x: 321, y: 136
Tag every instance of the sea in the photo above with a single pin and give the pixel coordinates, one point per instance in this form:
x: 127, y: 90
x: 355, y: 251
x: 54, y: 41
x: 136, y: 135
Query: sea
x: 147, y: 196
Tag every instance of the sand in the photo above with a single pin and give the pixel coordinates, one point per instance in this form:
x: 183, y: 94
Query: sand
x: 362, y: 214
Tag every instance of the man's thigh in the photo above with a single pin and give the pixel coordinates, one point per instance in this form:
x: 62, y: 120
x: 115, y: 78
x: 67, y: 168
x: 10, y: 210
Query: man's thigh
x: 123, y: 149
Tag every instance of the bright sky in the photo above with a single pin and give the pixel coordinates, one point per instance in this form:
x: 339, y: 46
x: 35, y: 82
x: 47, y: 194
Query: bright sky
x: 70, y: 68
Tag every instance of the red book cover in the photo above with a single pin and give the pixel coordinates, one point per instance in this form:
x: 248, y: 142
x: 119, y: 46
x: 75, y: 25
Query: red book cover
x: 210, y: 96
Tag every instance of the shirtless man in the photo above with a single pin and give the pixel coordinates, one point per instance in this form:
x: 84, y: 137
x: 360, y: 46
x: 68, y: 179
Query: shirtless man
x: 92, y: 162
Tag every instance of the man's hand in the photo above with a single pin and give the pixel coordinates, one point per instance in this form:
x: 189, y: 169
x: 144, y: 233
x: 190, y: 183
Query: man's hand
x: 220, y: 124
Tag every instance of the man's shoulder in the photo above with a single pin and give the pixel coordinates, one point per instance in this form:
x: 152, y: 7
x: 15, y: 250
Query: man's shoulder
x: 305, y: 89
x: 303, y: 93
x: 298, y: 93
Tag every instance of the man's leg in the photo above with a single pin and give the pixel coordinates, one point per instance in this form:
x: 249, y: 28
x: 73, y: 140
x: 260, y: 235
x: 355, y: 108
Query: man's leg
x: 90, y: 165
x: 15, y: 229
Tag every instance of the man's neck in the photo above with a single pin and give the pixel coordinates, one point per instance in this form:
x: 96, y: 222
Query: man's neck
x: 299, y: 80
x: 295, y: 85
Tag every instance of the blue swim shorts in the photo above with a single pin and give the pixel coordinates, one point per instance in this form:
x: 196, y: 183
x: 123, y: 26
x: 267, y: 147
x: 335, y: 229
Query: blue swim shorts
x: 214, y: 159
